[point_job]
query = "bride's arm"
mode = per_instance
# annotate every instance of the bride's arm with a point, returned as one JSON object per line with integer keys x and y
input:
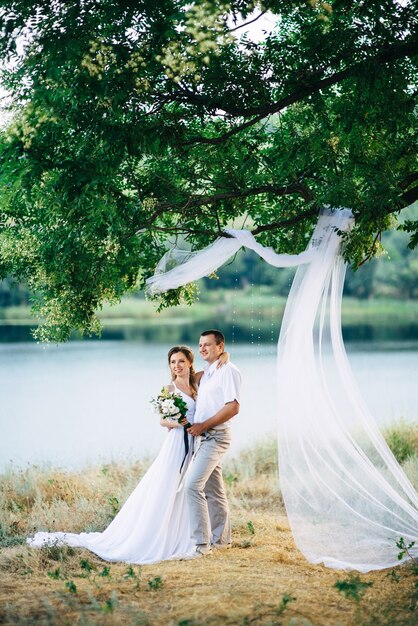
{"x": 223, "y": 359}
{"x": 169, "y": 424}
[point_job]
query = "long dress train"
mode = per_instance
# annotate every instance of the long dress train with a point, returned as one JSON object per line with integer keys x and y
{"x": 153, "y": 524}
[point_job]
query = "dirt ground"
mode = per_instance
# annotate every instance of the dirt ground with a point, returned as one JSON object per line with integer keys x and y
{"x": 262, "y": 580}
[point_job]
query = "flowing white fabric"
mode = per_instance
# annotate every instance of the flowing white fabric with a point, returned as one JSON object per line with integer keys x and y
{"x": 153, "y": 524}
{"x": 347, "y": 499}
{"x": 179, "y": 267}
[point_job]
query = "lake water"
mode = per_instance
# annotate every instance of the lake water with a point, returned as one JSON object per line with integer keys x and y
{"x": 89, "y": 402}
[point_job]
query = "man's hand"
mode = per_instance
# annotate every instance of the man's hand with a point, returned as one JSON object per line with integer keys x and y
{"x": 223, "y": 415}
{"x": 197, "y": 429}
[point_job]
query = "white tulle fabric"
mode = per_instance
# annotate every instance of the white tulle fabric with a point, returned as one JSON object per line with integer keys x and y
{"x": 153, "y": 524}
{"x": 347, "y": 499}
{"x": 179, "y": 267}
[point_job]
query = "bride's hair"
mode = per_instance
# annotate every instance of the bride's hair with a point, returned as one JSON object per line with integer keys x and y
{"x": 188, "y": 353}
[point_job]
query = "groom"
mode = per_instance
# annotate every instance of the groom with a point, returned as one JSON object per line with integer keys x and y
{"x": 217, "y": 403}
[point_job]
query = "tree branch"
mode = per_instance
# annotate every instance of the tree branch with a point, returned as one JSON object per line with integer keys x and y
{"x": 372, "y": 248}
{"x": 391, "y": 53}
{"x": 265, "y": 227}
{"x": 193, "y": 202}
{"x": 410, "y": 196}
{"x": 183, "y": 230}
{"x": 231, "y": 30}
{"x": 225, "y": 136}
{"x": 287, "y": 222}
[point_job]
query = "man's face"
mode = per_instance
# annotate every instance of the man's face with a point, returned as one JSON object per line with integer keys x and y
{"x": 209, "y": 349}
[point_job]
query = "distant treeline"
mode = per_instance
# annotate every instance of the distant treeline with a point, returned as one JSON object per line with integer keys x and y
{"x": 13, "y": 294}
{"x": 394, "y": 275}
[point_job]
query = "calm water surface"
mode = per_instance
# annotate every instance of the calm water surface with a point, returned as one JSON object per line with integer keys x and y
{"x": 89, "y": 402}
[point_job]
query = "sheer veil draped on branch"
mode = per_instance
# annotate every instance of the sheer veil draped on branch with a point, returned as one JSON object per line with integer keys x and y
{"x": 347, "y": 499}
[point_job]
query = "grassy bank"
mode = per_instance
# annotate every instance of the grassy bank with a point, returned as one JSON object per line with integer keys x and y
{"x": 255, "y": 313}
{"x": 263, "y": 580}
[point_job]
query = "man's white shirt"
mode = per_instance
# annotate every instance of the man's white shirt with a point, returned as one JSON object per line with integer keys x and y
{"x": 218, "y": 386}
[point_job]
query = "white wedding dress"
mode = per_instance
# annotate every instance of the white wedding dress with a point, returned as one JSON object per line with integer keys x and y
{"x": 153, "y": 524}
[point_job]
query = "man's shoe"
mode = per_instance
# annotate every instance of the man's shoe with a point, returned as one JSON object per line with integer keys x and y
{"x": 200, "y": 550}
{"x": 221, "y": 546}
{"x": 203, "y": 549}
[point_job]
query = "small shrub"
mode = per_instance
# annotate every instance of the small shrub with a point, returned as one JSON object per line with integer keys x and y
{"x": 9, "y": 542}
{"x": 105, "y": 572}
{"x": 286, "y": 599}
{"x": 71, "y": 586}
{"x": 56, "y": 574}
{"x": 132, "y": 575}
{"x": 114, "y": 504}
{"x": 353, "y": 587}
{"x": 155, "y": 583}
{"x": 86, "y": 565}
{"x": 404, "y": 548}
{"x": 264, "y": 611}
{"x": 57, "y": 552}
{"x": 394, "y": 576}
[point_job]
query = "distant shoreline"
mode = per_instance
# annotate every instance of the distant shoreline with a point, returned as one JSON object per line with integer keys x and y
{"x": 244, "y": 317}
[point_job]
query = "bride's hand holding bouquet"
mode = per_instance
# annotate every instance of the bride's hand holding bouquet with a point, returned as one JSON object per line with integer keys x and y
{"x": 171, "y": 408}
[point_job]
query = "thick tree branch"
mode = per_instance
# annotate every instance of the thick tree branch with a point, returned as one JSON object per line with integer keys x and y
{"x": 287, "y": 222}
{"x": 391, "y": 53}
{"x": 290, "y": 221}
{"x": 225, "y": 136}
{"x": 410, "y": 196}
{"x": 273, "y": 226}
{"x": 193, "y": 202}
{"x": 183, "y": 230}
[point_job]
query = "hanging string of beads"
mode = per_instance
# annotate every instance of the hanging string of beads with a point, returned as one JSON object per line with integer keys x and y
{"x": 273, "y": 332}
{"x": 252, "y": 308}
{"x": 259, "y": 316}
{"x": 234, "y": 307}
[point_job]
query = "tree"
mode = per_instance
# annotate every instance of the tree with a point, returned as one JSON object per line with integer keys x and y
{"x": 136, "y": 123}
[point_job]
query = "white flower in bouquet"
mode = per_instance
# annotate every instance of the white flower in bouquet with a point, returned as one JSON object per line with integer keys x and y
{"x": 170, "y": 406}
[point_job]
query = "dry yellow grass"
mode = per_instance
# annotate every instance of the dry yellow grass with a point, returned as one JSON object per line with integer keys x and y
{"x": 246, "y": 585}
{"x": 243, "y": 585}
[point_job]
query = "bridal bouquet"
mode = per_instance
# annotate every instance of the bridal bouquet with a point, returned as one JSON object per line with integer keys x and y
{"x": 170, "y": 406}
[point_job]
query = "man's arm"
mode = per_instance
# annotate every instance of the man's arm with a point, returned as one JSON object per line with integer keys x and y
{"x": 223, "y": 415}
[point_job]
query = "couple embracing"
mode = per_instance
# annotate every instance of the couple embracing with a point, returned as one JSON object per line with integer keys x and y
{"x": 217, "y": 402}
{"x": 174, "y": 514}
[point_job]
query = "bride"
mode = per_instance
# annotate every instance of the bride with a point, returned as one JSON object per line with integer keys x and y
{"x": 153, "y": 524}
